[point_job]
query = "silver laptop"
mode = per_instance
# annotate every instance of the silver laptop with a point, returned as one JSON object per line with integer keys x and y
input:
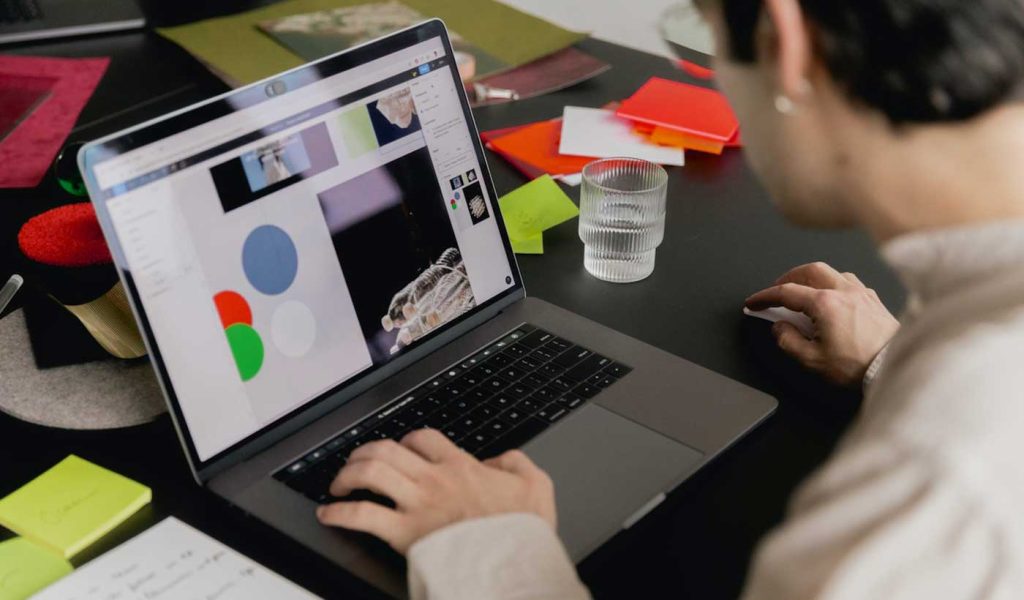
{"x": 32, "y": 20}
{"x": 318, "y": 261}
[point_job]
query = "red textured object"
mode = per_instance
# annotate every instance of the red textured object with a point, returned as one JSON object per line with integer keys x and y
{"x": 67, "y": 236}
{"x": 683, "y": 107}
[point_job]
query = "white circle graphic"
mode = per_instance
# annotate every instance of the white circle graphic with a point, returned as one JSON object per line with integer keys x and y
{"x": 293, "y": 329}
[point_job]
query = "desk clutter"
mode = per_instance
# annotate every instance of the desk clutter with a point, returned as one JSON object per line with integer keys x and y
{"x": 72, "y": 505}
{"x": 660, "y": 123}
{"x": 502, "y": 54}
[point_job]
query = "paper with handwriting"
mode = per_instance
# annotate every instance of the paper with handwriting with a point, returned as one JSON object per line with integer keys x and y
{"x": 173, "y": 560}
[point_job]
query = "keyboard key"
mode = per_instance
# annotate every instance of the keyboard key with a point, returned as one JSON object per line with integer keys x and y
{"x": 483, "y": 413}
{"x": 530, "y": 406}
{"x": 436, "y": 384}
{"x": 536, "y": 339}
{"x": 476, "y": 440}
{"x": 558, "y": 344}
{"x": 496, "y": 383}
{"x": 496, "y": 427}
{"x": 516, "y": 437}
{"x": 471, "y": 379}
{"x": 479, "y": 394}
{"x": 535, "y": 381}
{"x": 618, "y": 370}
{"x": 515, "y": 336}
{"x": 500, "y": 361}
{"x": 501, "y": 402}
{"x": 530, "y": 363}
{"x": 513, "y": 416}
{"x": 552, "y": 412}
{"x": 453, "y": 372}
{"x": 587, "y": 391}
{"x": 336, "y": 443}
{"x": 548, "y": 394}
{"x": 542, "y": 355}
{"x": 517, "y": 351}
{"x": 552, "y": 370}
{"x": 488, "y": 370}
{"x": 605, "y": 381}
{"x": 518, "y": 390}
{"x": 571, "y": 401}
{"x": 572, "y": 356}
{"x": 511, "y": 373}
{"x": 563, "y": 383}
{"x": 315, "y": 455}
{"x": 293, "y": 469}
{"x": 588, "y": 368}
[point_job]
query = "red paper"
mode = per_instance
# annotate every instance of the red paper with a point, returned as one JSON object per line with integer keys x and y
{"x": 687, "y": 108}
{"x": 27, "y": 152}
{"x": 536, "y": 146}
{"x": 695, "y": 70}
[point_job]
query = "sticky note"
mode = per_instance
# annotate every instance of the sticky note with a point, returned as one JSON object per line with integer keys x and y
{"x": 25, "y": 568}
{"x": 678, "y": 139}
{"x": 539, "y": 205}
{"x": 72, "y": 505}
{"x": 538, "y": 145}
{"x": 683, "y": 107}
{"x": 530, "y": 245}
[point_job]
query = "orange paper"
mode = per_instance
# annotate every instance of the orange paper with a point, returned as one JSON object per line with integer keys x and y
{"x": 537, "y": 145}
{"x": 678, "y": 139}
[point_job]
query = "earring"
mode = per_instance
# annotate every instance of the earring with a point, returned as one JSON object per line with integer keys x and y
{"x": 784, "y": 105}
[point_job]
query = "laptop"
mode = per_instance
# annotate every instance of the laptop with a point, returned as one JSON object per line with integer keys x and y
{"x": 30, "y": 20}
{"x": 318, "y": 260}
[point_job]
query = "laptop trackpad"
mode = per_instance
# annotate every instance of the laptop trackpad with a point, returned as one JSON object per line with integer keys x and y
{"x": 605, "y": 469}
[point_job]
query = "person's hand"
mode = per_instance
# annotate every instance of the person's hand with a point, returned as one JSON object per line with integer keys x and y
{"x": 433, "y": 484}
{"x": 852, "y": 323}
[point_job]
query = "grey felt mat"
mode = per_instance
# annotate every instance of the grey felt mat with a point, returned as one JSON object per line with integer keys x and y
{"x": 98, "y": 395}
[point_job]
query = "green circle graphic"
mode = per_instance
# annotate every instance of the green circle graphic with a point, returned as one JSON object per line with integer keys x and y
{"x": 247, "y": 348}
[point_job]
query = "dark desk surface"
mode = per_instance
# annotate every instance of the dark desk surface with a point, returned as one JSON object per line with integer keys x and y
{"x": 723, "y": 241}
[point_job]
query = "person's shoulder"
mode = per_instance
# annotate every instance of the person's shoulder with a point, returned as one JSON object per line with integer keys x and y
{"x": 961, "y": 388}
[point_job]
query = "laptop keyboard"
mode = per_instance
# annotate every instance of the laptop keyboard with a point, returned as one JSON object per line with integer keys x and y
{"x": 19, "y": 11}
{"x": 495, "y": 400}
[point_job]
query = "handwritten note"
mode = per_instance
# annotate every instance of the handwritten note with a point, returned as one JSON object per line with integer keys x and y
{"x": 533, "y": 208}
{"x": 72, "y": 505}
{"x": 25, "y": 568}
{"x": 172, "y": 560}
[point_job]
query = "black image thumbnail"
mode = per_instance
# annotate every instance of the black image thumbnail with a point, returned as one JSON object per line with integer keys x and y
{"x": 273, "y": 166}
{"x": 475, "y": 203}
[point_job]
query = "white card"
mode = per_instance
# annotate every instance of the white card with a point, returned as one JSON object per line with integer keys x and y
{"x": 779, "y": 313}
{"x": 172, "y": 560}
{"x": 602, "y": 134}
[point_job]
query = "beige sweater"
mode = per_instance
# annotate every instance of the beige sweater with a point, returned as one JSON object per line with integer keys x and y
{"x": 924, "y": 498}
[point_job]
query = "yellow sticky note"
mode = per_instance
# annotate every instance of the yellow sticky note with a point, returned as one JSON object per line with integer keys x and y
{"x": 531, "y": 245}
{"x": 26, "y": 568}
{"x": 72, "y": 505}
{"x": 535, "y": 207}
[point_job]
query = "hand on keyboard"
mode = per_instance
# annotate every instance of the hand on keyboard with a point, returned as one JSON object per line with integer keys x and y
{"x": 433, "y": 484}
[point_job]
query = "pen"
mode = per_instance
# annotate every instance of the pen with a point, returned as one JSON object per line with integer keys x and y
{"x": 9, "y": 290}
{"x": 484, "y": 92}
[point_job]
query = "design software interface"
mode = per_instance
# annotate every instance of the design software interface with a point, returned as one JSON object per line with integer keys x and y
{"x": 284, "y": 248}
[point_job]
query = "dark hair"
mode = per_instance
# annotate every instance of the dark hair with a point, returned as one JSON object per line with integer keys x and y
{"x": 914, "y": 60}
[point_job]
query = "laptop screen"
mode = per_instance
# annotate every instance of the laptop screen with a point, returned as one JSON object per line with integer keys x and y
{"x": 324, "y": 224}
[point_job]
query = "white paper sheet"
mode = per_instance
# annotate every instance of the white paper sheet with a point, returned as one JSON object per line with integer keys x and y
{"x": 602, "y": 134}
{"x": 798, "y": 320}
{"x": 172, "y": 560}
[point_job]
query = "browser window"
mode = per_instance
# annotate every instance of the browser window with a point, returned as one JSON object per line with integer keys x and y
{"x": 288, "y": 247}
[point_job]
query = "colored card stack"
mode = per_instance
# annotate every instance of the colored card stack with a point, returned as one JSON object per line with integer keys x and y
{"x": 680, "y": 115}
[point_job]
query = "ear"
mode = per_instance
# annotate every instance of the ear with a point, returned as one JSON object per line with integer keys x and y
{"x": 789, "y": 43}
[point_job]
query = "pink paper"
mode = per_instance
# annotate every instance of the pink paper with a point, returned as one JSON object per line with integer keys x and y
{"x": 27, "y": 152}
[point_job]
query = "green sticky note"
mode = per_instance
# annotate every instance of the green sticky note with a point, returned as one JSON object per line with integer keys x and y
{"x": 535, "y": 207}
{"x": 26, "y": 568}
{"x": 71, "y": 506}
{"x": 530, "y": 245}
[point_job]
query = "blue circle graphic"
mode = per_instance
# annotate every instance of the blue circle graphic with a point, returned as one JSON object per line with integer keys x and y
{"x": 269, "y": 259}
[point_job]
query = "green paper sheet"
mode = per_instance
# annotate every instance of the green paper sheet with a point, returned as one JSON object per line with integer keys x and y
{"x": 236, "y": 49}
{"x": 71, "y": 506}
{"x": 531, "y": 245}
{"x": 26, "y": 568}
{"x": 535, "y": 207}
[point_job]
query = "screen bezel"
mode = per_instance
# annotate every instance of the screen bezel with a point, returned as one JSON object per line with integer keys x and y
{"x": 225, "y": 104}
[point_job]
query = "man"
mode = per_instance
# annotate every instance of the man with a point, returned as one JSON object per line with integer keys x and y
{"x": 897, "y": 116}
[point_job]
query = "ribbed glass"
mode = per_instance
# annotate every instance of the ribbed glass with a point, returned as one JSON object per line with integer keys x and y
{"x": 622, "y": 217}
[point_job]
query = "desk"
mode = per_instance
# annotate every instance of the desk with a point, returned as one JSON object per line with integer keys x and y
{"x": 723, "y": 241}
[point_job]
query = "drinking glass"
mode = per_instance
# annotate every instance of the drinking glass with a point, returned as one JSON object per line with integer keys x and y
{"x": 622, "y": 217}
